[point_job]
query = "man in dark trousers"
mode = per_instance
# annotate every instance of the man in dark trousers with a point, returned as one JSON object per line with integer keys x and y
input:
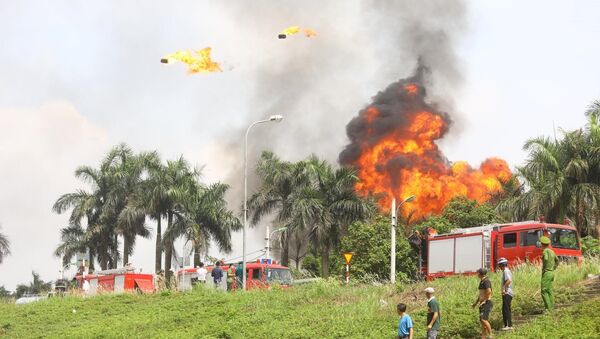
{"x": 239, "y": 275}
{"x": 484, "y": 301}
{"x": 507, "y": 293}
{"x": 217, "y": 274}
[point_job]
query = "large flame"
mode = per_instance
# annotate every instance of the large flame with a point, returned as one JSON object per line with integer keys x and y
{"x": 393, "y": 146}
{"x": 197, "y": 61}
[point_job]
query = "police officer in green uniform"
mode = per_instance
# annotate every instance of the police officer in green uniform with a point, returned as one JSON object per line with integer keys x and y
{"x": 549, "y": 263}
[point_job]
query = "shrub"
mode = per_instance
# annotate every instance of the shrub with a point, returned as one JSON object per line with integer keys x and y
{"x": 590, "y": 246}
{"x": 370, "y": 241}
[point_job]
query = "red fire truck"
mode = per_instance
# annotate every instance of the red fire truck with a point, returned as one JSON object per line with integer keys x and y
{"x": 464, "y": 250}
{"x": 117, "y": 280}
{"x": 259, "y": 274}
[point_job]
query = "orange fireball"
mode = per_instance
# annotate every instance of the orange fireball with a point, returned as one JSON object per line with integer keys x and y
{"x": 393, "y": 147}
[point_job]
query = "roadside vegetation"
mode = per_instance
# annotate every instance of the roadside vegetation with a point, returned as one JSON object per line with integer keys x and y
{"x": 326, "y": 309}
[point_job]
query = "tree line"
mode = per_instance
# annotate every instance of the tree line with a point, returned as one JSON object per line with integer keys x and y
{"x": 128, "y": 189}
{"x": 312, "y": 202}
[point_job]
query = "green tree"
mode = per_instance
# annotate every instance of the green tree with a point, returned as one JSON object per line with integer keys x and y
{"x": 112, "y": 184}
{"x": 4, "y": 293}
{"x": 562, "y": 177}
{"x": 329, "y": 205}
{"x": 152, "y": 198}
{"x": 370, "y": 242}
{"x": 86, "y": 206}
{"x": 279, "y": 181}
{"x": 180, "y": 181}
{"x": 206, "y": 219}
{"x": 36, "y": 286}
{"x": 4, "y": 247}
{"x": 463, "y": 212}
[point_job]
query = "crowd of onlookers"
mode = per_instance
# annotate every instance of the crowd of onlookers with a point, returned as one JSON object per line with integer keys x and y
{"x": 484, "y": 298}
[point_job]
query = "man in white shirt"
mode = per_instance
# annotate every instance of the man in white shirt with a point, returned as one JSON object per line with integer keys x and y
{"x": 201, "y": 271}
{"x": 86, "y": 287}
{"x": 507, "y": 293}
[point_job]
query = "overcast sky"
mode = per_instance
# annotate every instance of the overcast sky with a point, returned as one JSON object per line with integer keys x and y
{"x": 79, "y": 77}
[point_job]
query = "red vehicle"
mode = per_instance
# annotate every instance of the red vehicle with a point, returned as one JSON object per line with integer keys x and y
{"x": 464, "y": 250}
{"x": 259, "y": 274}
{"x": 117, "y": 280}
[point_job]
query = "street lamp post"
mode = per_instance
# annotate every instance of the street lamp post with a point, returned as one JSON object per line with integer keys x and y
{"x": 275, "y": 118}
{"x": 393, "y": 235}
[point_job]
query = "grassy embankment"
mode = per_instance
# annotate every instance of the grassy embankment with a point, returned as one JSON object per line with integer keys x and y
{"x": 325, "y": 309}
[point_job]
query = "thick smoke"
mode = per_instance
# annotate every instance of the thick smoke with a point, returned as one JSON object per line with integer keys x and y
{"x": 389, "y": 113}
{"x": 319, "y": 84}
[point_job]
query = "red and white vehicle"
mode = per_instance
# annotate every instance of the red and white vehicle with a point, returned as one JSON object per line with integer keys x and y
{"x": 259, "y": 274}
{"x": 117, "y": 281}
{"x": 464, "y": 250}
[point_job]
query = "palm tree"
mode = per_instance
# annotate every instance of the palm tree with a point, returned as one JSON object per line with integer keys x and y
{"x": 112, "y": 184}
{"x": 330, "y": 205}
{"x": 125, "y": 172}
{"x": 562, "y": 178}
{"x": 206, "y": 218}
{"x": 178, "y": 186}
{"x": 152, "y": 198}
{"x": 4, "y": 247}
{"x": 279, "y": 180}
{"x": 87, "y": 206}
{"x": 73, "y": 241}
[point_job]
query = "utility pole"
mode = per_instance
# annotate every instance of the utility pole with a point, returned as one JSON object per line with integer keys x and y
{"x": 393, "y": 246}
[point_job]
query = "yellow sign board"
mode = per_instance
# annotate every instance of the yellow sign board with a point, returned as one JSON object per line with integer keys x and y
{"x": 348, "y": 257}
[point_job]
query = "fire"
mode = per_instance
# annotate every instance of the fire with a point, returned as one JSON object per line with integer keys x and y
{"x": 197, "y": 61}
{"x": 309, "y": 33}
{"x": 393, "y": 146}
{"x": 291, "y": 30}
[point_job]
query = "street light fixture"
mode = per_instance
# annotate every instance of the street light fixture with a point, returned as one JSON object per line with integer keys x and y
{"x": 393, "y": 234}
{"x": 275, "y": 118}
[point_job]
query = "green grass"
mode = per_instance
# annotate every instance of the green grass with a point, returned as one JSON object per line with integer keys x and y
{"x": 577, "y": 321}
{"x": 325, "y": 309}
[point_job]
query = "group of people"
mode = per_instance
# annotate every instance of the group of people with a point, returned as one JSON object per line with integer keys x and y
{"x": 216, "y": 274}
{"x": 484, "y": 298}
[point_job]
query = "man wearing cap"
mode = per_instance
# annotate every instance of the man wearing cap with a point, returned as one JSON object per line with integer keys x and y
{"x": 433, "y": 314}
{"x": 484, "y": 301}
{"x": 507, "y": 294}
{"x": 549, "y": 263}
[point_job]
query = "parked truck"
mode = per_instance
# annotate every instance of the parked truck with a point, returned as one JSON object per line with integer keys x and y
{"x": 464, "y": 250}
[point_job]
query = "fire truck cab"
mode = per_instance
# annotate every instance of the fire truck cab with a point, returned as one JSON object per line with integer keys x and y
{"x": 464, "y": 250}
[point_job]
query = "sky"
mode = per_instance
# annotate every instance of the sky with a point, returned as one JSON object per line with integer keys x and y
{"x": 77, "y": 78}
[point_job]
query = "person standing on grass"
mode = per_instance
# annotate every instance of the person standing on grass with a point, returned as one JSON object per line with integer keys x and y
{"x": 217, "y": 274}
{"x": 484, "y": 301}
{"x": 549, "y": 263}
{"x": 507, "y": 294}
{"x": 201, "y": 272}
{"x": 433, "y": 314}
{"x": 405, "y": 325}
{"x": 239, "y": 275}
